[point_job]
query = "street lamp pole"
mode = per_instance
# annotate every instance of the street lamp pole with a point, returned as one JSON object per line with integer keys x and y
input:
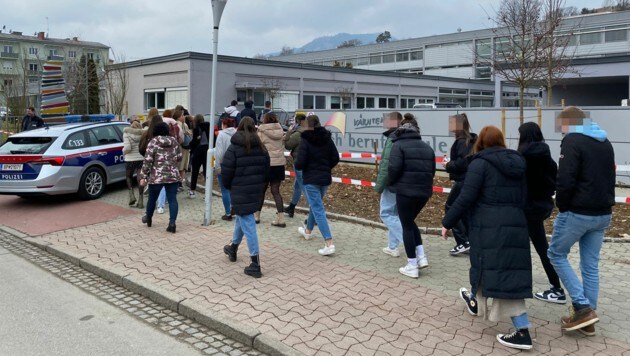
{"x": 217, "y": 11}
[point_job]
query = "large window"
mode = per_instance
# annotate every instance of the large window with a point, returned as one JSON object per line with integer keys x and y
{"x": 72, "y": 54}
{"x": 389, "y": 57}
{"x": 32, "y": 67}
{"x": 415, "y": 55}
{"x": 590, "y": 38}
{"x": 337, "y": 102}
{"x": 484, "y": 48}
{"x": 616, "y": 36}
{"x": 402, "y": 56}
{"x": 32, "y": 50}
{"x": 375, "y": 59}
{"x": 155, "y": 99}
{"x": 7, "y": 49}
{"x": 314, "y": 102}
{"x": 363, "y": 61}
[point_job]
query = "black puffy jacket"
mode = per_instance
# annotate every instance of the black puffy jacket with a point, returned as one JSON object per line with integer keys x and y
{"x": 317, "y": 156}
{"x": 586, "y": 176}
{"x": 245, "y": 175}
{"x": 460, "y": 157}
{"x": 493, "y": 195}
{"x": 541, "y": 179}
{"x": 202, "y": 128}
{"x": 411, "y": 165}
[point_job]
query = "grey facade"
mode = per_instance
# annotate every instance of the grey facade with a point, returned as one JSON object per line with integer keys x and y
{"x": 185, "y": 78}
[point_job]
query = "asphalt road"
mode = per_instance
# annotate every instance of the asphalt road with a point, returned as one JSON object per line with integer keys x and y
{"x": 43, "y": 315}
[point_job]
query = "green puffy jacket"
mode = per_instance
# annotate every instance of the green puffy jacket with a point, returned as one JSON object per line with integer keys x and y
{"x": 382, "y": 180}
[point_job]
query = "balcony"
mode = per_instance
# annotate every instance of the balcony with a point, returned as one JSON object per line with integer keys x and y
{"x": 33, "y": 73}
{"x": 55, "y": 58}
{"x": 10, "y": 55}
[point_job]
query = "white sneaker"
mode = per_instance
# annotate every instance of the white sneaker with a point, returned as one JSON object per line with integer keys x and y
{"x": 306, "y": 236}
{"x": 191, "y": 194}
{"x": 327, "y": 250}
{"x": 160, "y": 210}
{"x": 409, "y": 271}
{"x": 392, "y": 252}
{"x": 423, "y": 262}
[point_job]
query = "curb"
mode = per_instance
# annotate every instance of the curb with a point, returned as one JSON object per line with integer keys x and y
{"x": 231, "y": 328}
{"x": 378, "y": 225}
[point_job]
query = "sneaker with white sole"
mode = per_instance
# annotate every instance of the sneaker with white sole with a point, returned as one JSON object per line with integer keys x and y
{"x": 471, "y": 303}
{"x": 519, "y": 339}
{"x": 409, "y": 271}
{"x": 394, "y": 252}
{"x": 552, "y": 295}
{"x": 423, "y": 262}
{"x": 302, "y": 232}
{"x": 160, "y": 210}
{"x": 459, "y": 249}
{"x": 191, "y": 194}
{"x": 327, "y": 250}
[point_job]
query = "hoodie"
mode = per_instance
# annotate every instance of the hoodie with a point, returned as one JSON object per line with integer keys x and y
{"x": 232, "y": 111}
{"x": 131, "y": 144}
{"x": 541, "y": 179}
{"x": 317, "y": 156}
{"x": 223, "y": 142}
{"x": 161, "y": 161}
{"x": 586, "y": 172}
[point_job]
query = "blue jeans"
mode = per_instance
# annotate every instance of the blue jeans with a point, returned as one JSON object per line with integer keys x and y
{"x": 246, "y": 225}
{"x": 314, "y": 195}
{"x": 297, "y": 188}
{"x": 520, "y": 322}
{"x": 171, "y": 195}
{"x": 225, "y": 196}
{"x": 389, "y": 215}
{"x": 588, "y": 231}
{"x": 161, "y": 200}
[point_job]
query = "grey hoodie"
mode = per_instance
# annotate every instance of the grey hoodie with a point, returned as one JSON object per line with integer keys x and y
{"x": 223, "y": 142}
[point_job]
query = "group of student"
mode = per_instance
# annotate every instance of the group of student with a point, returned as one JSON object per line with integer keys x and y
{"x": 498, "y": 203}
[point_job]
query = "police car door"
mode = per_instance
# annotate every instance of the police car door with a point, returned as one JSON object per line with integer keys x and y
{"x": 107, "y": 145}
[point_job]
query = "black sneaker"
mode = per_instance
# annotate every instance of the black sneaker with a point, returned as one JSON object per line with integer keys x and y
{"x": 459, "y": 249}
{"x": 471, "y": 303}
{"x": 519, "y": 339}
{"x": 553, "y": 295}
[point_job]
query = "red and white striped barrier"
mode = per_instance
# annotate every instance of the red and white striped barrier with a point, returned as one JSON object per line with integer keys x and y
{"x": 7, "y": 132}
{"x": 365, "y": 183}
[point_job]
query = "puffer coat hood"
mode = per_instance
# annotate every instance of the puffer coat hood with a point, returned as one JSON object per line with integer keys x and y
{"x": 508, "y": 162}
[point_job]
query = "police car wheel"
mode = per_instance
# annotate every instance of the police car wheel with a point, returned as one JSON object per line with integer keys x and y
{"x": 92, "y": 184}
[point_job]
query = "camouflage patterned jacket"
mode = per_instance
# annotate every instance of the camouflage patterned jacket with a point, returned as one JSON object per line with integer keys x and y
{"x": 161, "y": 162}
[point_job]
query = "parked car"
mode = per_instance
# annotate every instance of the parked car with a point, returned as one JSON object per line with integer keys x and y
{"x": 4, "y": 112}
{"x": 69, "y": 158}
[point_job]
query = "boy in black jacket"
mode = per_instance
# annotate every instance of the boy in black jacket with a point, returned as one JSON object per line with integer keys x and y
{"x": 585, "y": 194}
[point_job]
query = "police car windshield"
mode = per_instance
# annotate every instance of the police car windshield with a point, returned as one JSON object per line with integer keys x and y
{"x": 26, "y": 145}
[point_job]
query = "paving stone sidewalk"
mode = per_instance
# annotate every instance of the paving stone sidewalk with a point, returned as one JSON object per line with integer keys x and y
{"x": 354, "y": 302}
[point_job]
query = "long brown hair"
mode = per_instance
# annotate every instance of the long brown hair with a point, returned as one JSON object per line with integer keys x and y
{"x": 489, "y": 136}
{"x": 147, "y": 135}
{"x": 464, "y": 131}
{"x": 248, "y": 128}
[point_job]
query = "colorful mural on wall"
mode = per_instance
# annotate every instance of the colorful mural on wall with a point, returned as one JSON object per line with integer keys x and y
{"x": 54, "y": 101}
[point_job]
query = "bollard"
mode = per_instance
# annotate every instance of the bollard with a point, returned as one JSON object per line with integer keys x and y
{"x": 540, "y": 117}
{"x": 503, "y": 121}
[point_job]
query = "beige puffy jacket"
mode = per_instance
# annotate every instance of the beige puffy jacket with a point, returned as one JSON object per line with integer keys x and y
{"x": 271, "y": 136}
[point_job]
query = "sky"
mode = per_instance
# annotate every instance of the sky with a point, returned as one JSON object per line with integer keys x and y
{"x": 137, "y": 29}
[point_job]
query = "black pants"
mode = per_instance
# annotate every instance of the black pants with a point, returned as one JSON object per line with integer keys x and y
{"x": 199, "y": 159}
{"x": 536, "y": 228}
{"x": 460, "y": 230}
{"x": 408, "y": 210}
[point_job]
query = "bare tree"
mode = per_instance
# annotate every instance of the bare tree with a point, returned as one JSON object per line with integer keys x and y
{"x": 116, "y": 81}
{"x": 520, "y": 40}
{"x": 617, "y": 5}
{"x": 272, "y": 87}
{"x": 346, "y": 94}
{"x": 286, "y": 50}
{"x": 16, "y": 90}
{"x": 350, "y": 43}
{"x": 555, "y": 45}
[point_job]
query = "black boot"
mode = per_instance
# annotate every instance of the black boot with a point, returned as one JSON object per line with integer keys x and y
{"x": 147, "y": 220}
{"x": 254, "y": 268}
{"x": 171, "y": 228}
{"x": 230, "y": 250}
{"x": 290, "y": 210}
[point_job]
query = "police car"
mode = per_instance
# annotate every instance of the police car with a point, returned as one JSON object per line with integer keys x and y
{"x": 70, "y": 158}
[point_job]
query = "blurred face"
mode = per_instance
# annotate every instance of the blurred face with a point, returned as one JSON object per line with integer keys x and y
{"x": 389, "y": 121}
{"x": 566, "y": 125}
{"x": 455, "y": 124}
{"x": 30, "y": 112}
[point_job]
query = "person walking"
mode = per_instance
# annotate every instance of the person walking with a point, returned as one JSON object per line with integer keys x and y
{"x": 223, "y": 143}
{"x": 160, "y": 171}
{"x": 271, "y": 134}
{"x": 199, "y": 149}
{"x": 410, "y": 172}
{"x": 585, "y": 194}
{"x": 456, "y": 167}
{"x": 264, "y": 111}
{"x": 541, "y": 186}
{"x": 179, "y": 116}
{"x": 292, "y": 140}
{"x": 133, "y": 160}
{"x": 493, "y": 195}
{"x": 316, "y": 158}
{"x": 31, "y": 121}
{"x": 245, "y": 171}
{"x": 248, "y": 111}
{"x": 388, "y": 210}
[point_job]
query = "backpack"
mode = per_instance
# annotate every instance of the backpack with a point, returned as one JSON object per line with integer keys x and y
{"x": 173, "y": 130}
